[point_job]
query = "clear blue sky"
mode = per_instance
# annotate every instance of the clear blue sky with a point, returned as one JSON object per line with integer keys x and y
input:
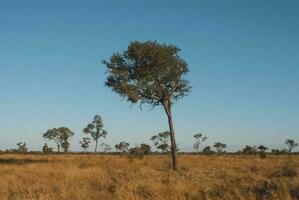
{"x": 243, "y": 57}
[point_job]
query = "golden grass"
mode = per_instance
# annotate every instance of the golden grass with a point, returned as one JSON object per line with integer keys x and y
{"x": 84, "y": 177}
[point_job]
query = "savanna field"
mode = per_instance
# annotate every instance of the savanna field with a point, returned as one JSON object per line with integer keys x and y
{"x": 96, "y": 177}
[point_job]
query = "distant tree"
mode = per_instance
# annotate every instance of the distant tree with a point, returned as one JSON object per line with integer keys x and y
{"x": 47, "y": 149}
{"x": 22, "y": 147}
{"x": 291, "y": 145}
{"x": 122, "y": 147}
{"x": 95, "y": 129}
{"x": 219, "y": 147}
{"x": 60, "y": 136}
{"x": 207, "y": 150}
{"x": 106, "y": 147}
{"x": 146, "y": 148}
{"x": 199, "y": 138}
{"x": 276, "y": 151}
{"x": 85, "y": 143}
{"x": 152, "y": 73}
{"x": 249, "y": 150}
{"x": 161, "y": 141}
{"x": 262, "y": 148}
{"x": 136, "y": 152}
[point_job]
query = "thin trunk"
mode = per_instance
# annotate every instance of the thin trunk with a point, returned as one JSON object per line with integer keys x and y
{"x": 58, "y": 148}
{"x": 167, "y": 107}
{"x": 96, "y": 147}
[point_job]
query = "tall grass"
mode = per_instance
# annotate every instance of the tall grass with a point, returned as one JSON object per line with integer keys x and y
{"x": 84, "y": 177}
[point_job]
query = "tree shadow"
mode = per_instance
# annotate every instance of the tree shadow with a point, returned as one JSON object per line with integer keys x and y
{"x": 13, "y": 161}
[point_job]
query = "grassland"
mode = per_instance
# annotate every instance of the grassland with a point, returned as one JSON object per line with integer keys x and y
{"x": 84, "y": 177}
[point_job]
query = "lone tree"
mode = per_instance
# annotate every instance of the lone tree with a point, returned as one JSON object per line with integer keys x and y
{"x": 47, "y": 149}
{"x": 60, "y": 136}
{"x": 122, "y": 147}
{"x": 152, "y": 73}
{"x": 291, "y": 144}
{"x": 95, "y": 129}
{"x": 219, "y": 147}
{"x": 106, "y": 147}
{"x": 161, "y": 141}
{"x": 199, "y": 138}
{"x": 22, "y": 147}
{"x": 262, "y": 148}
{"x": 85, "y": 143}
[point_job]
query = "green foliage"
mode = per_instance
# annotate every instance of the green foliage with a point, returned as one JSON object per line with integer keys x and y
{"x": 122, "y": 147}
{"x": 22, "y": 147}
{"x": 249, "y": 150}
{"x": 219, "y": 147}
{"x": 85, "y": 143}
{"x": 148, "y": 72}
{"x": 161, "y": 141}
{"x": 146, "y": 148}
{"x": 199, "y": 138}
{"x": 207, "y": 150}
{"x": 47, "y": 149}
{"x": 291, "y": 144}
{"x": 95, "y": 129}
{"x": 106, "y": 147}
{"x": 60, "y": 136}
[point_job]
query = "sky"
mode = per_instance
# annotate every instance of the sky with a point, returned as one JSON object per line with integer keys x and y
{"x": 243, "y": 58}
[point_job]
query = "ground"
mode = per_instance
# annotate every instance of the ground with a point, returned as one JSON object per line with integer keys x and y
{"x": 96, "y": 177}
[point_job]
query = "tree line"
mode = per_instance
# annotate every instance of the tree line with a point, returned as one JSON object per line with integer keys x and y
{"x": 95, "y": 131}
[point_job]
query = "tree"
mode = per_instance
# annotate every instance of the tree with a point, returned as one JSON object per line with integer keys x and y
{"x": 122, "y": 147}
{"x": 161, "y": 141}
{"x": 85, "y": 143}
{"x": 219, "y": 147}
{"x": 199, "y": 138}
{"x": 22, "y": 147}
{"x": 207, "y": 150}
{"x": 106, "y": 147}
{"x": 249, "y": 150}
{"x": 262, "y": 148}
{"x": 147, "y": 149}
{"x": 150, "y": 73}
{"x": 60, "y": 136}
{"x": 291, "y": 145}
{"x": 47, "y": 149}
{"x": 95, "y": 129}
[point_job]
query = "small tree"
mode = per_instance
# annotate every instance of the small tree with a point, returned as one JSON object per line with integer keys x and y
{"x": 95, "y": 129}
{"x": 106, "y": 147}
{"x": 249, "y": 149}
{"x": 152, "y": 73}
{"x": 291, "y": 145}
{"x": 220, "y": 147}
{"x": 47, "y": 149}
{"x": 22, "y": 147}
{"x": 85, "y": 143}
{"x": 147, "y": 149}
{"x": 60, "y": 136}
{"x": 123, "y": 147}
{"x": 262, "y": 148}
{"x": 199, "y": 138}
{"x": 161, "y": 141}
{"x": 207, "y": 150}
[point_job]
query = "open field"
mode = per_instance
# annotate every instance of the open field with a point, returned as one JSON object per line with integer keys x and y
{"x": 80, "y": 177}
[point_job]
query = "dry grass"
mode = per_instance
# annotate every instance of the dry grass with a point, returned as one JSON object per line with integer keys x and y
{"x": 80, "y": 177}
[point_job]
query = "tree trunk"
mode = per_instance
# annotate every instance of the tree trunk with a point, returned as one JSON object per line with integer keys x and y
{"x": 58, "y": 148}
{"x": 167, "y": 107}
{"x": 96, "y": 147}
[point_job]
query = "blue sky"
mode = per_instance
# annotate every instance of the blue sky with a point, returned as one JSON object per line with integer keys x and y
{"x": 243, "y": 58}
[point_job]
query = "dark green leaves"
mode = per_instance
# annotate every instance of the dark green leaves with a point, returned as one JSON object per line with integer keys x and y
{"x": 148, "y": 72}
